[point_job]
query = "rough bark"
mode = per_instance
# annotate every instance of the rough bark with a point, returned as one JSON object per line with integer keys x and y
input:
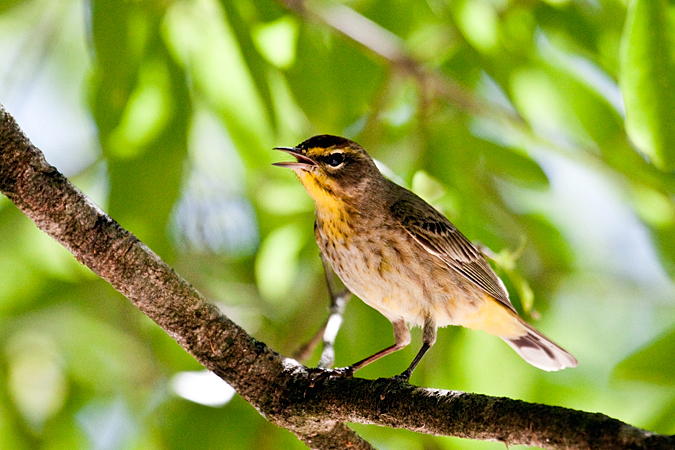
{"x": 279, "y": 387}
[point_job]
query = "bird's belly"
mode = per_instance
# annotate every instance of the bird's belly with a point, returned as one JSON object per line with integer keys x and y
{"x": 393, "y": 296}
{"x": 401, "y": 285}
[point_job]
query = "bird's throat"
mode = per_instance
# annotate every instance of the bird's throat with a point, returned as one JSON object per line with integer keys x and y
{"x": 324, "y": 196}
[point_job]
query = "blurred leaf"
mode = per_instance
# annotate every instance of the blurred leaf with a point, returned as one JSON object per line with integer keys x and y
{"x": 572, "y": 20}
{"x": 96, "y": 354}
{"x": 427, "y": 187}
{"x": 145, "y": 184}
{"x": 654, "y": 363}
{"x": 506, "y": 260}
{"x": 277, "y": 41}
{"x": 10, "y": 437}
{"x": 206, "y": 45}
{"x": 523, "y": 289}
{"x": 333, "y": 84}
{"x": 648, "y": 79}
{"x": 514, "y": 166}
{"x": 141, "y": 106}
{"x": 277, "y": 262}
{"x": 552, "y": 250}
{"x": 664, "y": 423}
{"x": 478, "y": 21}
{"x": 401, "y": 17}
{"x": 295, "y": 198}
{"x": 655, "y": 208}
{"x": 256, "y": 65}
{"x": 591, "y": 93}
{"x": 117, "y": 59}
{"x": 664, "y": 237}
{"x": 146, "y": 114}
{"x": 186, "y": 425}
{"x": 464, "y": 65}
{"x": 7, "y": 5}
{"x": 36, "y": 378}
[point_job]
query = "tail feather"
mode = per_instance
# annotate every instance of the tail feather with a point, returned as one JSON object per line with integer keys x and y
{"x": 540, "y": 351}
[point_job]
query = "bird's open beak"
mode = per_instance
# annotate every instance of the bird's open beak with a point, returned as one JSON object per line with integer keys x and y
{"x": 302, "y": 162}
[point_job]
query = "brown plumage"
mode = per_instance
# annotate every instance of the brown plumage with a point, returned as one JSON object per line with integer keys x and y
{"x": 404, "y": 258}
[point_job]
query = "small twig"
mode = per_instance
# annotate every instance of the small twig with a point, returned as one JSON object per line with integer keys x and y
{"x": 329, "y": 330}
{"x": 332, "y": 327}
{"x": 338, "y": 302}
{"x": 306, "y": 349}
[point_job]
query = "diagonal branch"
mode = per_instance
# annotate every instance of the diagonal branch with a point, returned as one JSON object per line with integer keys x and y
{"x": 391, "y": 49}
{"x": 279, "y": 387}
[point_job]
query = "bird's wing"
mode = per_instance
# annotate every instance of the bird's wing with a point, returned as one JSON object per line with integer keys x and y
{"x": 437, "y": 235}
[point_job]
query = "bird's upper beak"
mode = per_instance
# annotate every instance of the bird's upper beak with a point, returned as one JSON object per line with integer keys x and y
{"x": 302, "y": 161}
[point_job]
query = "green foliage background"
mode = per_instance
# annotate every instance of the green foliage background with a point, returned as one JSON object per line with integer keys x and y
{"x": 549, "y": 129}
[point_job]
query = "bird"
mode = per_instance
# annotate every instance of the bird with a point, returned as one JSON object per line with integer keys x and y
{"x": 404, "y": 258}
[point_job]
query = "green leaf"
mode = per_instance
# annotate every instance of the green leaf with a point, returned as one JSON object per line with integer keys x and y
{"x": 142, "y": 108}
{"x": 648, "y": 79}
{"x": 506, "y": 261}
{"x": 664, "y": 238}
{"x": 554, "y": 252}
{"x": 664, "y": 422}
{"x": 93, "y": 352}
{"x": 515, "y": 166}
{"x": 654, "y": 363}
{"x": 116, "y": 64}
{"x": 277, "y": 263}
{"x": 145, "y": 181}
{"x": 204, "y": 42}
{"x": 333, "y": 84}
{"x": 7, "y": 5}
{"x": 255, "y": 63}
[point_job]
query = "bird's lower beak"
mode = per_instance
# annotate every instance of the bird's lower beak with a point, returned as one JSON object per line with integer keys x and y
{"x": 302, "y": 162}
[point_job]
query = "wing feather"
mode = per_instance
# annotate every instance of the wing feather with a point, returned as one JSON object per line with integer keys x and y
{"x": 437, "y": 235}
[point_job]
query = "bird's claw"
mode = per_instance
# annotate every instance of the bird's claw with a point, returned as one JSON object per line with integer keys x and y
{"x": 402, "y": 378}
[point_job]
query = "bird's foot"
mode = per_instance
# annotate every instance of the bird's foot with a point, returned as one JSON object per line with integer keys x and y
{"x": 402, "y": 378}
{"x": 319, "y": 375}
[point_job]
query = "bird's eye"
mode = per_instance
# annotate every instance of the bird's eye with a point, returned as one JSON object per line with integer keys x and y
{"x": 335, "y": 159}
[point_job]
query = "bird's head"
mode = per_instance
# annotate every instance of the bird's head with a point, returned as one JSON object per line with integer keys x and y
{"x": 331, "y": 168}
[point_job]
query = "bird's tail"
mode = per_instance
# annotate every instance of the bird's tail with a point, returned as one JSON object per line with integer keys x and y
{"x": 540, "y": 351}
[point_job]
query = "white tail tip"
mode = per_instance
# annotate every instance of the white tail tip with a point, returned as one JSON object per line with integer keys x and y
{"x": 541, "y": 352}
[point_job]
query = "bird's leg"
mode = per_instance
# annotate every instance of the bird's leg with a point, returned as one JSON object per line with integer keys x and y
{"x": 328, "y": 331}
{"x": 401, "y": 339}
{"x": 428, "y": 339}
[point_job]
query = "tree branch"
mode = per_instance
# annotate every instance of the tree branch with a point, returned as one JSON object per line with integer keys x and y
{"x": 279, "y": 387}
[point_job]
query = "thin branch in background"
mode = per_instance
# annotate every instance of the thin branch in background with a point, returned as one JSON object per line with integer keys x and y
{"x": 332, "y": 328}
{"x": 338, "y": 302}
{"x": 329, "y": 330}
{"x": 391, "y": 48}
{"x": 303, "y": 353}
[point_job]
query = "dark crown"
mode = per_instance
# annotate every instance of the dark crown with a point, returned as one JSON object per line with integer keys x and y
{"x": 324, "y": 141}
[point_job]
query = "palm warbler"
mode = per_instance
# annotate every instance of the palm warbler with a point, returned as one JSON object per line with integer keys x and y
{"x": 404, "y": 258}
